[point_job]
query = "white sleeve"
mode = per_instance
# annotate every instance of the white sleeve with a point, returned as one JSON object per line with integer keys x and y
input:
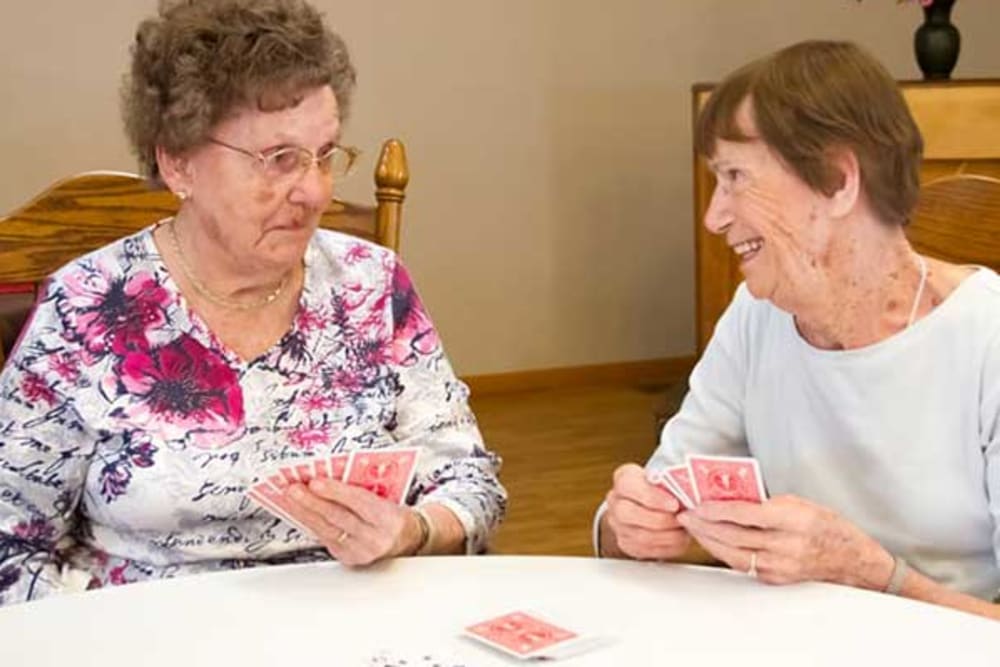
{"x": 990, "y": 433}
{"x": 711, "y": 417}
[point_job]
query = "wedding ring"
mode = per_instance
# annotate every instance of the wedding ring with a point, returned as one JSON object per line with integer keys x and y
{"x": 343, "y": 537}
{"x": 752, "y": 570}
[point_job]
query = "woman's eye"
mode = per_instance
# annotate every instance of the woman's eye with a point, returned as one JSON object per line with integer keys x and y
{"x": 285, "y": 161}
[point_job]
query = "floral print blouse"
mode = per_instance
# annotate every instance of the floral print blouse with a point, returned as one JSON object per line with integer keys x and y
{"x": 129, "y": 433}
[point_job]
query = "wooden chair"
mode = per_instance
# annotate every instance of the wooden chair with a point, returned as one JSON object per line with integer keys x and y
{"x": 958, "y": 220}
{"x": 88, "y": 211}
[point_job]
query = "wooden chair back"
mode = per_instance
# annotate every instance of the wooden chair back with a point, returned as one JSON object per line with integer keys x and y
{"x": 958, "y": 220}
{"x": 85, "y": 212}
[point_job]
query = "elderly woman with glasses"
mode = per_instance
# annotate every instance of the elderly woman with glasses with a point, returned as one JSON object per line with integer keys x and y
{"x": 162, "y": 376}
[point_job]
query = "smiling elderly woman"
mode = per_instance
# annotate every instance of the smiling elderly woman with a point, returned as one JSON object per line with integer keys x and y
{"x": 864, "y": 377}
{"x": 162, "y": 375}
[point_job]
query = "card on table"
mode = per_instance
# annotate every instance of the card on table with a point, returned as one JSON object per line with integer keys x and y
{"x": 527, "y": 636}
{"x": 385, "y": 472}
{"x": 726, "y": 478}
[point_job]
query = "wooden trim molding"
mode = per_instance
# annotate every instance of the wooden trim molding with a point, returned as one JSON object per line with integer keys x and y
{"x": 649, "y": 371}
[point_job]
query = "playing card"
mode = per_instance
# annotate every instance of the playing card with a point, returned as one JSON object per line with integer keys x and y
{"x": 385, "y": 472}
{"x": 305, "y": 472}
{"x": 521, "y": 635}
{"x": 726, "y": 478}
{"x": 320, "y": 469}
{"x": 677, "y": 480}
{"x": 288, "y": 473}
{"x": 279, "y": 481}
{"x": 273, "y": 501}
{"x": 337, "y": 466}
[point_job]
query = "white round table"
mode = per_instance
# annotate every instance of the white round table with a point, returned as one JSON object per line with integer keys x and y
{"x": 323, "y": 614}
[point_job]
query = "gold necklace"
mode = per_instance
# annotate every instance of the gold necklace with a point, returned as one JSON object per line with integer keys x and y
{"x": 202, "y": 289}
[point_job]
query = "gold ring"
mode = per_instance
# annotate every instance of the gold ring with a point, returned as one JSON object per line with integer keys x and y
{"x": 752, "y": 570}
{"x": 343, "y": 537}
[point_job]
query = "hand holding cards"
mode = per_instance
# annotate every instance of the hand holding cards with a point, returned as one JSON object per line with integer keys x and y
{"x": 387, "y": 473}
{"x": 704, "y": 478}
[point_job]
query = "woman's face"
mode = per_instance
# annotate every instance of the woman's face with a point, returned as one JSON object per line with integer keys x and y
{"x": 263, "y": 220}
{"x": 777, "y": 225}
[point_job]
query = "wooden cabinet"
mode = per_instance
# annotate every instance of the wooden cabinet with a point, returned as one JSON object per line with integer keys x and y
{"x": 960, "y": 123}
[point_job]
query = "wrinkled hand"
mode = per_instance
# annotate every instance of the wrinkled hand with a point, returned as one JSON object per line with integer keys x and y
{"x": 643, "y": 517}
{"x": 794, "y": 539}
{"x": 356, "y": 526}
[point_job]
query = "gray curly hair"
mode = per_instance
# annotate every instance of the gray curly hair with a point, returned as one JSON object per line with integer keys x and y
{"x": 200, "y": 61}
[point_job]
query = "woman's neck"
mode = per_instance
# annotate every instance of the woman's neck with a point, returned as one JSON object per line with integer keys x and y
{"x": 220, "y": 271}
{"x": 873, "y": 278}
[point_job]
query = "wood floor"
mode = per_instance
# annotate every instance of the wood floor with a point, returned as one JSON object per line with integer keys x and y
{"x": 559, "y": 449}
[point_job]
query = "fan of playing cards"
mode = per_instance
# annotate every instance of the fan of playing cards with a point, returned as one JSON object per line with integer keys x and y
{"x": 704, "y": 478}
{"x": 385, "y": 472}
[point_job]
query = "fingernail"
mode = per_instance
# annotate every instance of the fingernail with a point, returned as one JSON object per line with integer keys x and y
{"x": 296, "y": 492}
{"x": 683, "y": 518}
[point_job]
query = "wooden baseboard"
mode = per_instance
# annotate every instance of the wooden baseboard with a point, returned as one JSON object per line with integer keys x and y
{"x": 647, "y": 372}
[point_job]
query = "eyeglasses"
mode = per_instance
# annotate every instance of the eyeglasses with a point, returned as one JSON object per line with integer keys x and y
{"x": 291, "y": 162}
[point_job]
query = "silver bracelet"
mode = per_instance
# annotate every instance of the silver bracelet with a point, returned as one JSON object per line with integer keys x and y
{"x": 426, "y": 532}
{"x": 899, "y": 570}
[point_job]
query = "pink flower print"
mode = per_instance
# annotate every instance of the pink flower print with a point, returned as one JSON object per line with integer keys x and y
{"x": 357, "y": 253}
{"x": 315, "y": 401}
{"x": 355, "y": 295}
{"x": 35, "y": 530}
{"x": 414, "y": 334}
{"x": 142, "y": 455}
{"x": 113, "y": 313}
{"x": 307, "y": 436}
{"x": 65, "y": 365}
{"x": 36, "y": 390}
{"x": 115, "y": 478}
{"x": 116, "y": 575}
{"x": 309, "y": 320}
{"x": 187, "y": 389}
{"x": 346, "y": 382}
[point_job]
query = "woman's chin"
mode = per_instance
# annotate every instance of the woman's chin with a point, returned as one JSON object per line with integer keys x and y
{"x": 288, "y": 249}
{"x": 757, "y": 287}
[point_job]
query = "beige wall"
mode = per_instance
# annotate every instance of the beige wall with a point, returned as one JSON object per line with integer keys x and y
{"x": 549, "y": 216}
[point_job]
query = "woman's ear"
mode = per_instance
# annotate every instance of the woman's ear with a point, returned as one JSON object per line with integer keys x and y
{"x": 175, "y": 171}
{"x": 847, "y": 193}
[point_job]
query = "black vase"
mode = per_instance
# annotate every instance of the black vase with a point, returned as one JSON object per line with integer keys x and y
{"x": 937, "y": 41}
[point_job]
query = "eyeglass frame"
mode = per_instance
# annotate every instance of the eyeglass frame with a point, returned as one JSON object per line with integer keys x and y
{"x": 266, "y": 159}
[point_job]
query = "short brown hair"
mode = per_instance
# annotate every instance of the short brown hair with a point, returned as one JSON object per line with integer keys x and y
{"x": 817, "y": 96}
{"x": 200, "y": 61}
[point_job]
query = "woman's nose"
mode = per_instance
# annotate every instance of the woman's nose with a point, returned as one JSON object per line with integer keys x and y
{"x": 719, "y": 215}
{"x": 314, "y": 187}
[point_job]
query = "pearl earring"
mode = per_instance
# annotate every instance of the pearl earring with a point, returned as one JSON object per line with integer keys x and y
{"x": 182, "y": 195}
